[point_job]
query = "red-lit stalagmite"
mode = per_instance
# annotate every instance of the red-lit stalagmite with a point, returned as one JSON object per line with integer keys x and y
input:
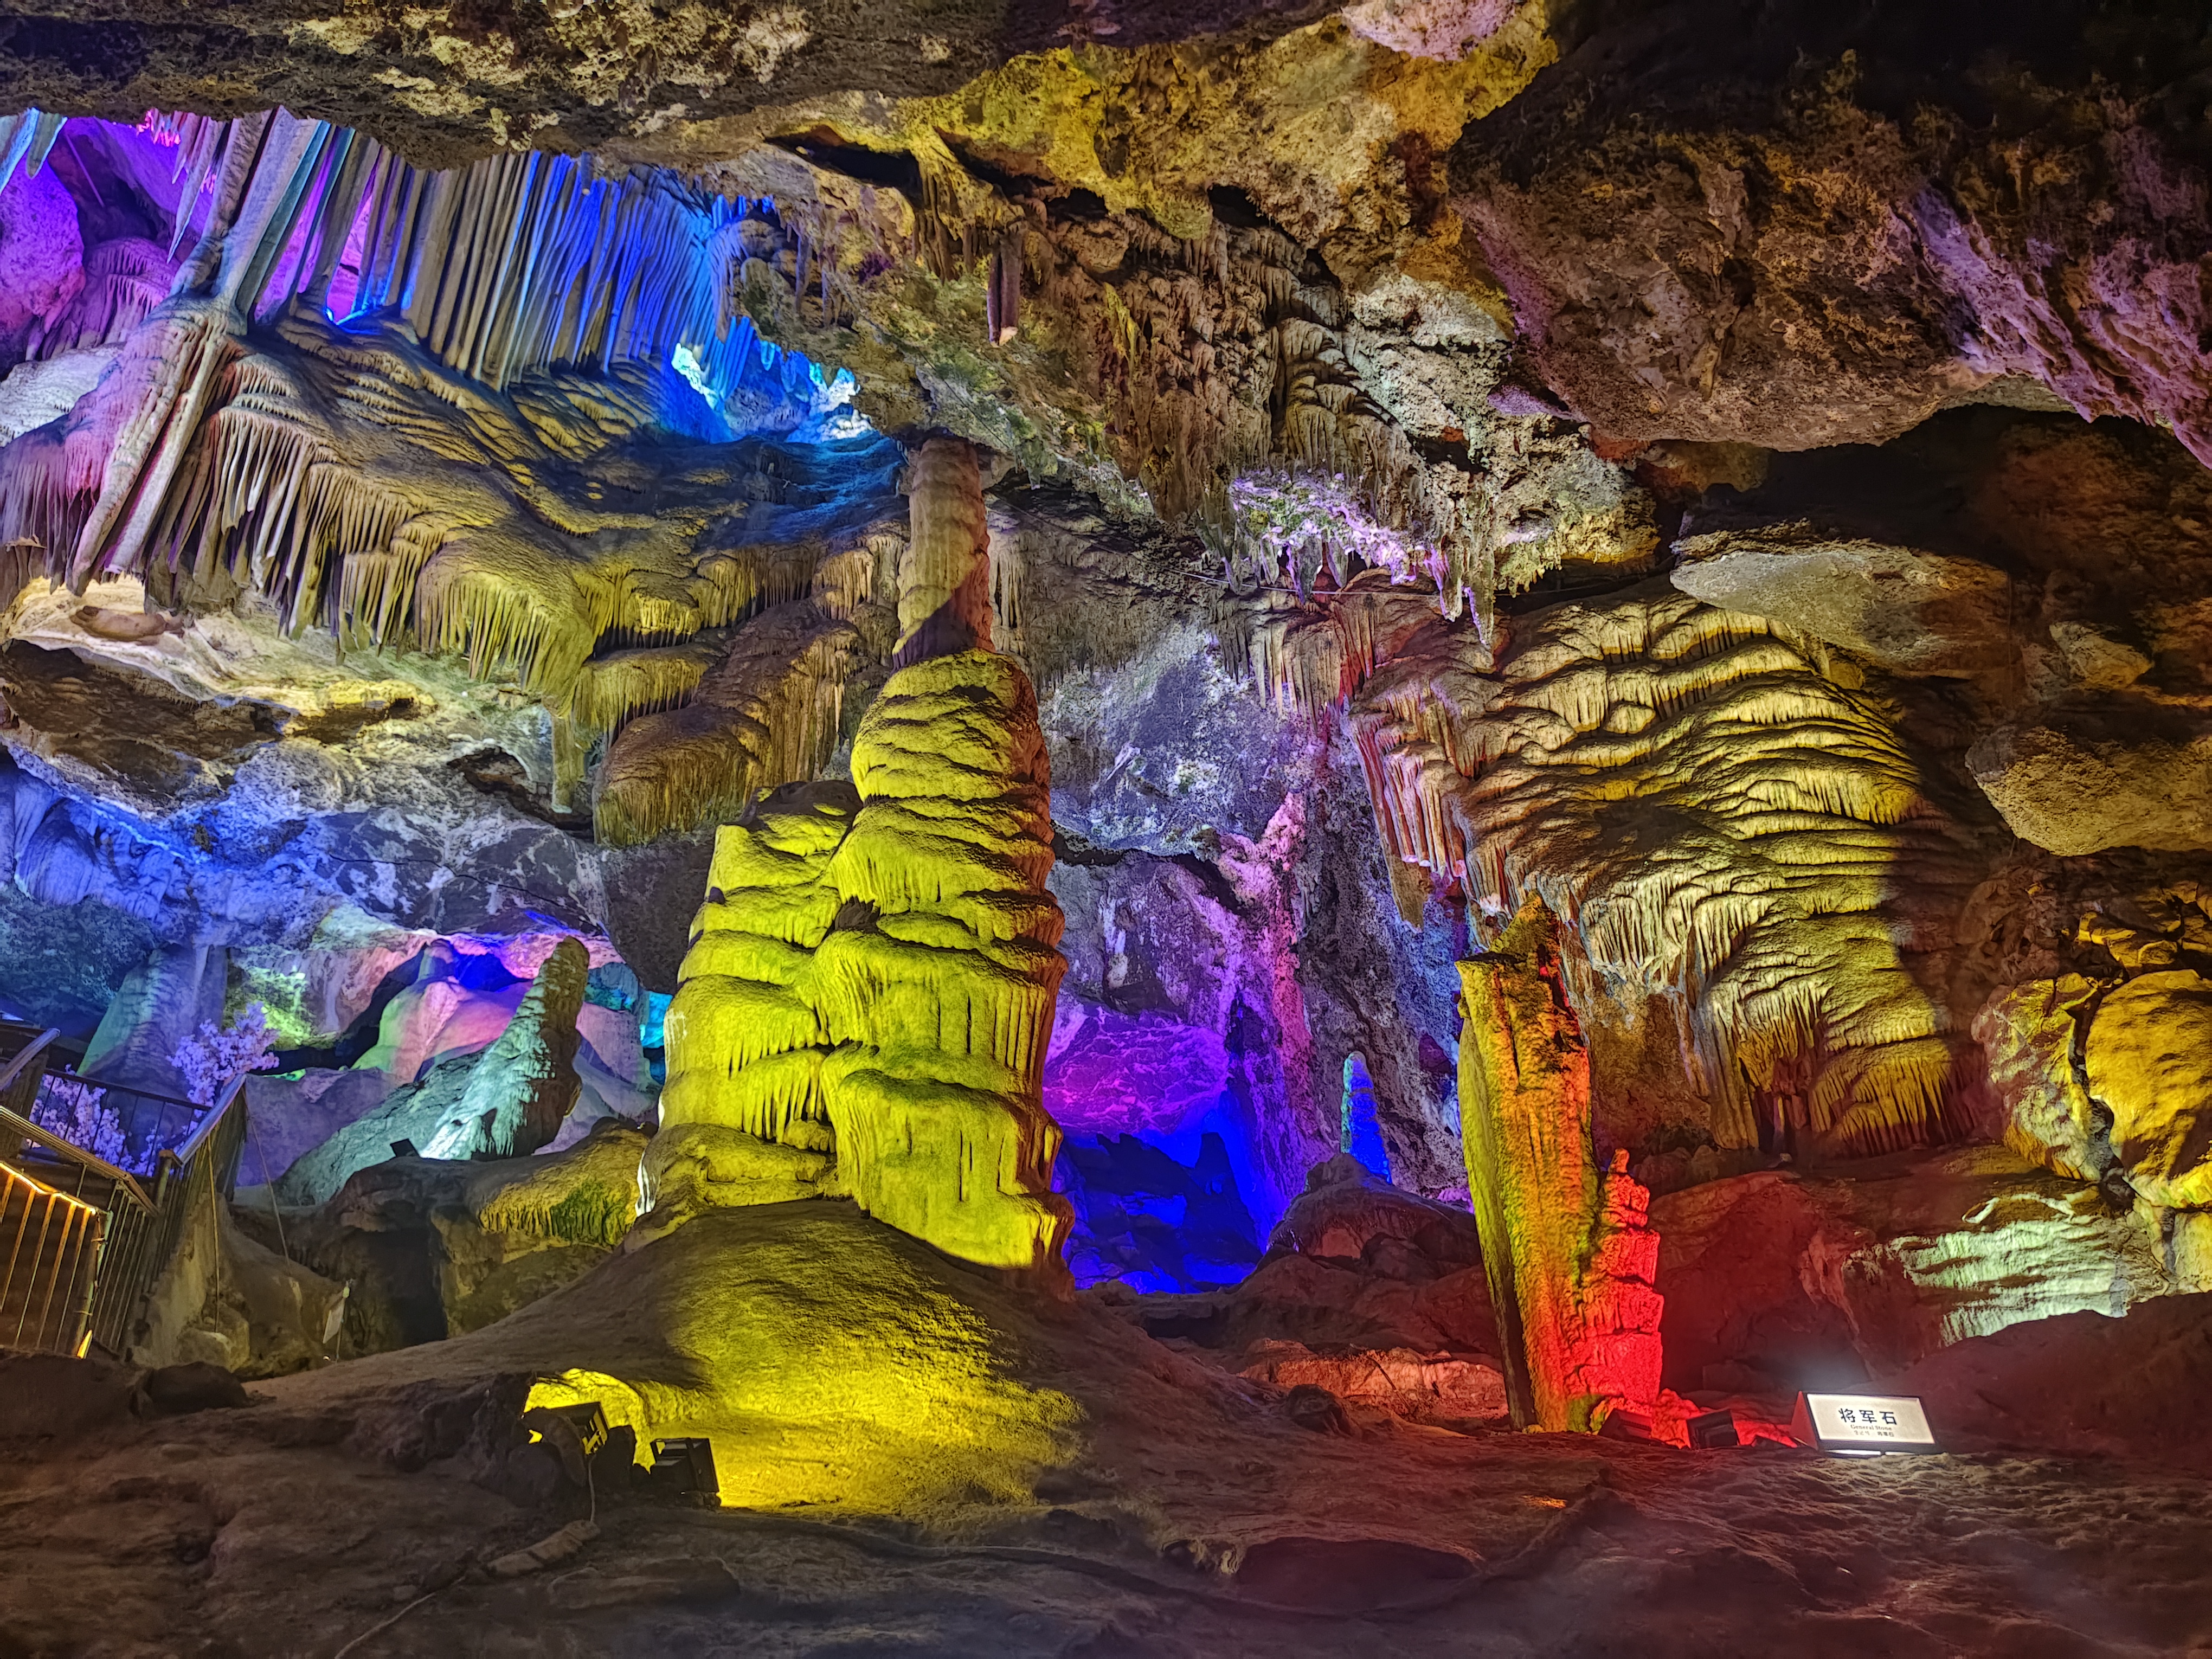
{"x": 1570, "y": 1255}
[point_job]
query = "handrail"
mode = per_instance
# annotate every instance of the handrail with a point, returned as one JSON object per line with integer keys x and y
{"x": 137, "y": 1249}
{"x": 121, "y": 1087}
{"x": 12, "y": 1124}
{"x": 74, "y": 1260}
{"x": 44, "y": 1191}
{"x": 25, "y": 1056}
{"x": 188, "y": 1148}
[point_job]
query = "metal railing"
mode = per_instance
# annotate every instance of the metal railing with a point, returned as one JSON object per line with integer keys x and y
{"x": 194, "y": 1179}
{"x": 25, "y": 1050}
{"x": 141, "y": 1230}
{"x": 52, "y": 1245}
{"x": 144, "y": 1123}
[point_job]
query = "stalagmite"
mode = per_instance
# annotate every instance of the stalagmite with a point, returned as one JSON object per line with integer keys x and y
{"x": 944, "y": 577}
{"x": 946, "y": 1002}
{"x": 874, "y": 972}
{"x": 506, "y": 1101}
{"x": 522, "y": 1086}
{"x": 1569, "y": 1255}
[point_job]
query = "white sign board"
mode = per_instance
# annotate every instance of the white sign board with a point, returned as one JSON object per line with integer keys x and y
{"x": 1866, "y": 1423}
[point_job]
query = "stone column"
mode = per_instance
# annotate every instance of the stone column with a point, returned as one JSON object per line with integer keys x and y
{"x": 1569, "y": 1253}
{"x": 881, "y": 1018}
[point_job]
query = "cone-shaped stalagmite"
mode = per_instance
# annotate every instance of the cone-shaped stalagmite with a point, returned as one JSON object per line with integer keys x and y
{"x": 876, "y": 986}
{"x": 523, "y": 1085}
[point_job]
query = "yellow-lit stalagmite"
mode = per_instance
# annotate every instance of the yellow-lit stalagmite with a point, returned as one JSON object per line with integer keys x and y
{"x": 866, "y": 1001}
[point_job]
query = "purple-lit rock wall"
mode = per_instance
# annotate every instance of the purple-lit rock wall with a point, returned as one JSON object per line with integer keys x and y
{"x": 1231, "y": 937}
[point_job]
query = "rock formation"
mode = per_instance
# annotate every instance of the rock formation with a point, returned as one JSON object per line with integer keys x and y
{"x": 866, "y": 1006}
{"x": 521, "y": 1088}
{"x": 506, "y": 1100}
{"x": 1569, "y": 1252}
{"x": 433, "y": 1248}
{"x": 1530, "y": 749}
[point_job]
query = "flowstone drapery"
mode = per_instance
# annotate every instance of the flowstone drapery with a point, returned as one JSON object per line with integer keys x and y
{"x": 866, "y": 1006}
{"x": 1760, "y": 882}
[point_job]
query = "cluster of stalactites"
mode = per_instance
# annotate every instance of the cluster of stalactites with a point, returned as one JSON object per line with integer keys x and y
{"x": 197, "y": 454}
{"x": 1236, "y": 406}
{"x": 767, "y": 712}
{"x": 265, "y": 496}
{"x": 1305, "y": 658}
{"x": 511, "y": 264}
{"x": 529, "y": 259}
{"x": 886, "y": 964}
{"x": 1723, "y": 825}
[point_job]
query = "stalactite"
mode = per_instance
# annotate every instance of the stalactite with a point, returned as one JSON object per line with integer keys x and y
{"x": 376, "y": 589}
{"x": 25, "y": 140}
{"x": 613, "y": 689}
{"x": 509, "y": 607}
{"x": 239, "y": 432}
{"x": 1002, "y": 293}
{"x": 269, "y": 498}
{"x": 123, "y": 280}
{"x": 766, "y": 714}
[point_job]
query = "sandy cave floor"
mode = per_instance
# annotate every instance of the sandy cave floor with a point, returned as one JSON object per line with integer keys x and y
{"x": 1184, "y": 1514}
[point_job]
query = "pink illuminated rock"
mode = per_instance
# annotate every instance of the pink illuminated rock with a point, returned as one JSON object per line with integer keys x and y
{"x": 426, "y": 1024}
{"x": 1420, "y": 1387}
{"x": 1124, "y": 1074}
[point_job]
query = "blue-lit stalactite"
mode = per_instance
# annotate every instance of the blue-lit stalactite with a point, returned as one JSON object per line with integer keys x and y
{"x": 520, "y": 261}
{"x": 1359, "y": 1132}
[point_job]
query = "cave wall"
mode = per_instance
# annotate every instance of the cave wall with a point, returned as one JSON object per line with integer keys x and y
{"x": 1733, "y": 472}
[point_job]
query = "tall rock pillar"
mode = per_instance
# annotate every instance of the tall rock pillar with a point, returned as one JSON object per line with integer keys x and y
{"x": 866, "y": 1009}
{"x": 1568, "y": 1251}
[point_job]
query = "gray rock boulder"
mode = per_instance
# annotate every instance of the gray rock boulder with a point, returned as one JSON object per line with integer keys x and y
{"x": 2078, "y": 783}
{"x": 1900, "y": 608}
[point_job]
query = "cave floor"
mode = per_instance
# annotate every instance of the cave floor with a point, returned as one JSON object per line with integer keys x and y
{"x": 205, "y": 1536}
{"x": 939, "y": 1464}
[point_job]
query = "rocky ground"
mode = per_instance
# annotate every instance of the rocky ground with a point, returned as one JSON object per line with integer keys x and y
{"x": 922, "y": 1460}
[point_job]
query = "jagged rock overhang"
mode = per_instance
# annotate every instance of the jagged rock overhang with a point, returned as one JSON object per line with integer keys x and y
{"x": 450, "y": 85}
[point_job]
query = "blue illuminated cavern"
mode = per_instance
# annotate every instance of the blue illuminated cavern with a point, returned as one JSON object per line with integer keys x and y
{"x": 1099, "y": 830}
